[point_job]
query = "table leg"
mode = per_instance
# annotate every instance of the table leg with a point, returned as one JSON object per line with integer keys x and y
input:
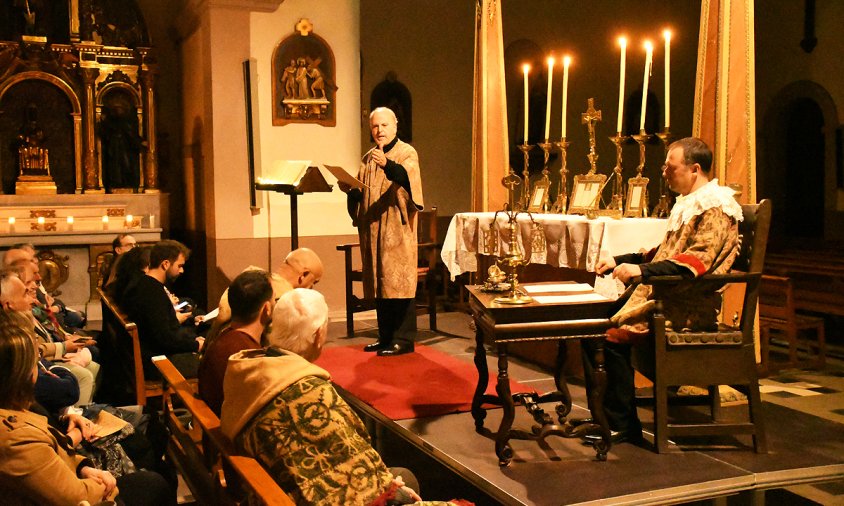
{"x": 478, "y": 413}
{"x": 596, "y": 398}
{"x": 564, "y": 407}
{"x": 502, "y": 447}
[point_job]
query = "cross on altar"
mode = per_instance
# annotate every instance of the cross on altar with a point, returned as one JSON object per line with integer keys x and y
{"x": 589, "y": 118}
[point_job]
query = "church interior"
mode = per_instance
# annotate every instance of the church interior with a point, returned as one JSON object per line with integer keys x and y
{"x": 177, "y": 120}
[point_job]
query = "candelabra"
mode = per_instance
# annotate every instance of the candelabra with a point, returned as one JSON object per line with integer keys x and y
{"x": 663, "y": 208}
{"x": 562, "y": 196}
{"x": 617, "y": 202}
{"x": 525, "y": 149}
{"x": 639, "y": 208}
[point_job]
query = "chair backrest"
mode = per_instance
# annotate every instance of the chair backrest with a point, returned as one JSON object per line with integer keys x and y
{"x": 126, "y": 341}
{"x": 753, "y": 231}
{"x": 426, "y": 225}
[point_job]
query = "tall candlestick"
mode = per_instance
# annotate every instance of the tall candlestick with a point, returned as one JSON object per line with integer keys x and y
{"x": 566, "y": 63}
{"x": 526, "y": 69}
{"x": 649, "y": 53}
{"x": 667, "y": 35}
{"x": 622, "y": 41}
{"x": 548, "y": 99}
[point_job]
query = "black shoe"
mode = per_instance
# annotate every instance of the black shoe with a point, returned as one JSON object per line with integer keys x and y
{"x": 395, "y": 349}
{"x": 616, "y": 437}
{"x": 376, "y": 346}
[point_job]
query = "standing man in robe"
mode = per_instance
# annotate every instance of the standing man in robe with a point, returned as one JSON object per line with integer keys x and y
{"x": 385, "y": 214}
{"x": 702, "y": 238}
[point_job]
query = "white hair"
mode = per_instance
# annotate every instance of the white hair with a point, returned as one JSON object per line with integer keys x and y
{"x": 297, "y": 318}
{"x": 383, "y": 109}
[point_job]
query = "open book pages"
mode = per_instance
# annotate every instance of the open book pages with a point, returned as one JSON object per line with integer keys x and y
{"x": 557, "y": 287}
{"x": 285, "y": 172}
{"x": 569, "y": 299}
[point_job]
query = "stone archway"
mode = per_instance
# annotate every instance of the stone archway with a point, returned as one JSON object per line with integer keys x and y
{"x": 797, "y": 161}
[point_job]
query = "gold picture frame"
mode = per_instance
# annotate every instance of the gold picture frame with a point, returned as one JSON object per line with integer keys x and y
{"x": 539, "y": 196}
{"x": 586, "y": 193}
{"x": 637, "y": 197}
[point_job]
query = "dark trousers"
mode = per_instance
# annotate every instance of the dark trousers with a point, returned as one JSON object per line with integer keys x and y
{"x": 396, "y": 321}
{"x": 620, "y": 397}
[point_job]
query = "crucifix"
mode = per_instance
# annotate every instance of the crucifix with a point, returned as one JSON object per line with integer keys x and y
{"x": 589, "y": 118}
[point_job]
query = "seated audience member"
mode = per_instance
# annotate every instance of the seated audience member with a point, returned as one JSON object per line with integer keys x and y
{"x": 302, "y": 268}
{"x": 65, "y": 317}
{"x": 251, "y": 298}
{"x": 160, "y": 326}
{"x": 702, "y": 238}
{"x": 37, "y": 463}
{"x": 283, "y": 410}
{"x": 15, "y": 296}
{"x": 126, "y": 270}
{"x": 121, "y": 244}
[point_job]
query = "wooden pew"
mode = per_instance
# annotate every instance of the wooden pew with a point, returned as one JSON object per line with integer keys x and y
{"x": 121, "y": 335}
{"x": 818, "y": 279}
{"x": 197, "y": 462}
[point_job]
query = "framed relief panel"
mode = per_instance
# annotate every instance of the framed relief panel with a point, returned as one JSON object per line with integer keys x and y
{"x": 637, "y": 197}
{"x": 586, "y": 193}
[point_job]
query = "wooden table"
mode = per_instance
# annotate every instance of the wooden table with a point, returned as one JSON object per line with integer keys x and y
{"x": 503, "y": 324}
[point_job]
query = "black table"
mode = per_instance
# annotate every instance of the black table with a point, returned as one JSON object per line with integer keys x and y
{"x": 502, "y": 324}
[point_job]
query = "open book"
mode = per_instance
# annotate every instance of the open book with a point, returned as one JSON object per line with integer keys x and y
{"x": 285, "y": 172}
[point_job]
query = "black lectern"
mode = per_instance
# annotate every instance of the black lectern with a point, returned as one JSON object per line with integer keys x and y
{"x": 310, "y": 181}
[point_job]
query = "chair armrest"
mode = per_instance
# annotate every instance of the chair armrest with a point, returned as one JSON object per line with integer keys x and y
{"x": 715, "y": 279}
{"x": 348, "y": 247}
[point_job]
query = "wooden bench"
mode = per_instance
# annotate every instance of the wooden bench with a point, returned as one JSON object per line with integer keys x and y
{"x": 120, "y": 336}
{"x": 198, "y": 463}
{"x": 818, "y": 279}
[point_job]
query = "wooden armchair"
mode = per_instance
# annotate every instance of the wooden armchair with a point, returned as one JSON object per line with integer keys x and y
{"x": 777, "y": 313}
{"x": 426, "y": 227}
{"x": 723, "y": 357}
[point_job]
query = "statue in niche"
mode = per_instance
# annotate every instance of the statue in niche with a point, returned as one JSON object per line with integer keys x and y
{"x": 288, "y": 79}
{"x": 302, "y": 80}
{"x": 33, "y": 157}
{"x": 121, "y": 145}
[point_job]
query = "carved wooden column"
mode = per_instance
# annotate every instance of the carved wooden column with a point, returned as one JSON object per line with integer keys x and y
{"x": 149, "y": 183}
{"x": 93, "y": 180}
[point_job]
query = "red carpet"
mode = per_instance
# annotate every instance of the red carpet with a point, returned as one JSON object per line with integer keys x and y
{"x": 416, "y": 385}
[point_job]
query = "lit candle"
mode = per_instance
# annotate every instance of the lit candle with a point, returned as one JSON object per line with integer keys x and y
{"x": 548, "y": 100}
{"x": 667, "y": 35}
{"x": 566, "y": 63}
{"x": 11, "y": 224}
{"x": 41, "y": 221}
{"x": 622, "y": 41}
{"x": 105, "y": 222}
{"x": 70, "y": 222}
{"x": 129, "y": 221}
{"x": 526, "y": 69}
{"x": 649, "y": 53}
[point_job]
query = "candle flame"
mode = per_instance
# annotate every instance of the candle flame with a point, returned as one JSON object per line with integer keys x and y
{"x": 526, "y": 68}
{"x": 550, "y": 61}
{"x": 11, "y": 220}
{"x": 648, "y": 46}
{"x": 70, "y": 219}
{"x": 667, "y": 34}
{"x": 567, "y": 61}
{"x": 622, "y": 41}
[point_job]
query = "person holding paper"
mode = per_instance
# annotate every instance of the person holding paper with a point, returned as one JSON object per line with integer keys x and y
{"x": 385, "y": 213}
{"x": 702, "y": 238}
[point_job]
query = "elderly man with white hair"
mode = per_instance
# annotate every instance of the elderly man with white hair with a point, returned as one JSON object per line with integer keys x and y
{"x": 283, "y": 410}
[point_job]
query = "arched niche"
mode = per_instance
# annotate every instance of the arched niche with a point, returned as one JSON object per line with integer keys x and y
{"x": 393, "y": 94}
{"x": 119, "y": 117}
{"x": 59, "y": 116}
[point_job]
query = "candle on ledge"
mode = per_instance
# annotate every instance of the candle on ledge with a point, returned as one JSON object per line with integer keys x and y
{"x": 566, "y": 63}
{"x": 105, "y": 222}
{"x": 548, "y": 99}
{"x": 622, "y": 41}
{"x": 526, "y": 69}
{"x": 41, "y": 221}
{"x": 649, "y": 53}
{"x": 70, "y": 223}
{"x": 11, "y": 224}
{"x": 129, "y": 221}
{"x": 151, "y": 221}
{"x": 667, "y": 35}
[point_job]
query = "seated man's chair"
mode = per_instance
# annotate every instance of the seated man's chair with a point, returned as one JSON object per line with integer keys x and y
{"x": 426, "y": 229}
{"x": 723, "y": 357}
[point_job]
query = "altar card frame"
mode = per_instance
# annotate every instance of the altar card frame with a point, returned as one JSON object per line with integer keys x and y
{"x": 539, "y": 196}
{"x": 637, "y": 195}
{"x": 586, "y": 193}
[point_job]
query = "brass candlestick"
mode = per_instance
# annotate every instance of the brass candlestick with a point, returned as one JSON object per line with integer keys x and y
{"x": 544, "y": 181}
{"x": 512, "y": 261}
{"x": 618, "y": 185}
{"x": 525, "y": 149}
{"x": 641, "y": 138}
{"x": 562, "y": 196}
{"x": 663, "y": 208}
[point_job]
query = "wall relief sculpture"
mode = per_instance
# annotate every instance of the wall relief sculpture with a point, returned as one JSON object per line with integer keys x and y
{"x": 303, "y": 73}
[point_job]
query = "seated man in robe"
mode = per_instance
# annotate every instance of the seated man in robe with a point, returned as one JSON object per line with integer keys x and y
{"x": 283, "y": 410}
{"x": 251, "y": 299}
{"x": 160, "y": 328}
{"x": 702, "y": 238}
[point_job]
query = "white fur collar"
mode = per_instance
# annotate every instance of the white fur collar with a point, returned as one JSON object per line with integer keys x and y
{"x": 704, "y": 198}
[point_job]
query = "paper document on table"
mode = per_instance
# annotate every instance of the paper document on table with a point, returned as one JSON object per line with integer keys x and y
{"x": 557, "y": 287}
{"x": 574, "y": 298}
{"x": 609, "y": 286}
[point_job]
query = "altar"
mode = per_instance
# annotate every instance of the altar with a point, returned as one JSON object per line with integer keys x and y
{"x": 570, "y": 241}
